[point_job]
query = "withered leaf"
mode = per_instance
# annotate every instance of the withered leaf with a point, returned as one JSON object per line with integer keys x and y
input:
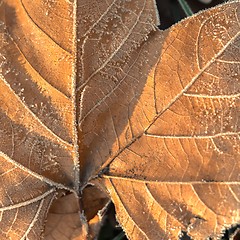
{"x": 93, "y": 95}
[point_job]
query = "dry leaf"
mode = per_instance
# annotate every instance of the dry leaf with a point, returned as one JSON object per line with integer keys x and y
{"x": 63, "y": 221}
{"x": 92, "y": 94}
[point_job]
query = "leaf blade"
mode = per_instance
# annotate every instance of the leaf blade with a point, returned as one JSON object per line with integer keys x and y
{"x": 189, "y": 146}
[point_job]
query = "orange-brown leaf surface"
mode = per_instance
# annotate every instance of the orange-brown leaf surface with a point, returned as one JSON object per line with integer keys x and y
{"x": 97, "y": 104}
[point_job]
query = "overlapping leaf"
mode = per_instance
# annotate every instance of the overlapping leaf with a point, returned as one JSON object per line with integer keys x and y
{"x": 181, "y": 170}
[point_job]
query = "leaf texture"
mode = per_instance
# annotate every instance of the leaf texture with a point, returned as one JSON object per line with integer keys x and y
{"x": 38, "y": 156}
{"x": 63, "y": 221}
{"x": 110, "y": 44}
{"x": 93, "y": 95}
{"x": 180, "y": 171}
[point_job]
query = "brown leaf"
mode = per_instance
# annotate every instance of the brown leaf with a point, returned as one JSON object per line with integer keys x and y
{"x": 180, "y": 171}
{"x": 92, "y": 94}
{"x": 63, "y": 221}
{"x": 126, "y": 25}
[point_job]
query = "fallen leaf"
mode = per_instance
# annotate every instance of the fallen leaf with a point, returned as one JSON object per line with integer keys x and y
{"x": 63, "y": 221}
{"x": 180, "y": 171}
{"x": 93, "y": 95}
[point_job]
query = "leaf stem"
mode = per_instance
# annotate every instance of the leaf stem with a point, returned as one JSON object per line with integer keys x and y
{"x": 186, "y": 8}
